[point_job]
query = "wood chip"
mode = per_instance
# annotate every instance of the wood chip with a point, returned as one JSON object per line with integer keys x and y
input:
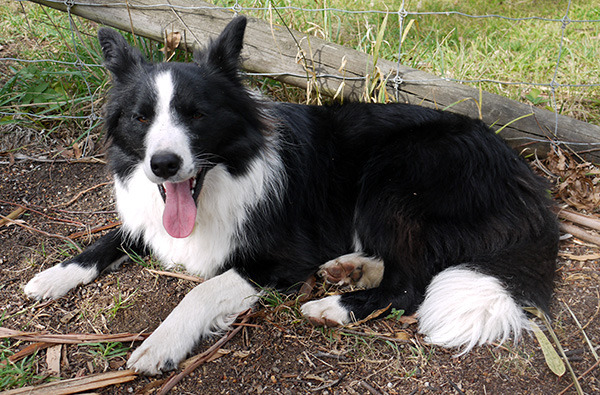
{"x": 53, "y": 359}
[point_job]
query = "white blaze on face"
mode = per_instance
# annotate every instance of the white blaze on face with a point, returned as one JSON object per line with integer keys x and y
{"x": 167, "y": 135}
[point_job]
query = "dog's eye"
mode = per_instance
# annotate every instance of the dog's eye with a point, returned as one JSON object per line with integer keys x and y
{"x": 197, "y": 115}
{"x": 142, "y": 119}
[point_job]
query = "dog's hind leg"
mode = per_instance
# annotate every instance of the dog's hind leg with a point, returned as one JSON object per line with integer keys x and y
{"x": 106, "y": 253}
{"x": 356, "y": 305}
{"x": 353, "y": 269}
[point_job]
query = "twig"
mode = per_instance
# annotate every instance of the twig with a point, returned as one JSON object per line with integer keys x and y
{"x": 70, "y": 338}
{"x": 546, "y": 322}
{"x": 177, "y": 275}
{"x": 310, "y": 362}
{"x": 30, "y": 349}
{"x": 200, "y": 359}
{"x": 580, "y": 258}
{"x": 369, "y": 388}
{"x": 27, "y": 208}
{"x": 100, "y": 228}
{"x": 376, "y": 335}
{"x": 187, "y": 28}
{"x": 78, "y": 384}
{"x": 579, "y": 219}
{"x": 460, "y": 392}
{"x": 594, "y": 366}
{"x": 329, "y": 385}
{"x": 585, "y": 336}
{"x": 90, "y": 159}
{"x": 44, "y": 233}
{"x": 580, "y": 233}
{"x": 81, "y": 193}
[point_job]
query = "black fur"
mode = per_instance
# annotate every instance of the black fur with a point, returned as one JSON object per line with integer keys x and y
{"x": 421, "y": 189}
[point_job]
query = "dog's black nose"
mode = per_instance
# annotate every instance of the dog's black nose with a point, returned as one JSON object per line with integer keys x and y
{"x": 165, "y": 164}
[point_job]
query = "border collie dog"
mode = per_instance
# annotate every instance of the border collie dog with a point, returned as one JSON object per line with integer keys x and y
{"x": 425, "y": 210}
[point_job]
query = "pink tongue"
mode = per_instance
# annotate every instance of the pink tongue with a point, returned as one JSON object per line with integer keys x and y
{"x": 180, "y": 209}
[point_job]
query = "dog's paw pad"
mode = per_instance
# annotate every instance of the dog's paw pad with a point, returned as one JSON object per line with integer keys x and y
{"x": 352, "y": 269}
{"x": 326, "y": 312}
{"x": 341, "y": 271}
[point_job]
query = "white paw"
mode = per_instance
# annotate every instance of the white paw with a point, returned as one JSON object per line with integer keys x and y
{"x": 326, "y": 312}
{"x": 58, "y": 280}
{"x": 161, "y": 352}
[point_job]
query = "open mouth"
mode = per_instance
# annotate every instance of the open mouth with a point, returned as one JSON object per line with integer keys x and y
{"x": 195, "y": 185}
{"x": 179, "y": 216}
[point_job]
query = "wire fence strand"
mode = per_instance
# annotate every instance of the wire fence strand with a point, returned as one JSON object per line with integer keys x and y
{"x": 81, "y": 66}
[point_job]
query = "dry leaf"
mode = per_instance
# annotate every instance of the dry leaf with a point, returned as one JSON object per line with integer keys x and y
{"x": 220, "y": 352}
{"x": 241, "y": 354}
{"x": 12, "y": 216}
{"x": 403, "y": 335}
{"x": 77, "y": 152}
{"x": 552, "y": 358}
{"x": 576, "y": 184}
{"x": 408, "y": 319}
{"x": 172, "y": 41}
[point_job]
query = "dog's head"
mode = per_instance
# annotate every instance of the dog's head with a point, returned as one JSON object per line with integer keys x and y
{"x": 178, "y": 120}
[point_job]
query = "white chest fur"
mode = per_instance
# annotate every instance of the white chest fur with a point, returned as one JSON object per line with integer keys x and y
{"x": 223, "y": 205}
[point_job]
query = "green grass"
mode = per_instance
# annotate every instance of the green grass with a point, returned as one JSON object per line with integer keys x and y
{"x": 17, "y": 374}
{"x": 120, "y": 302}
{"x": 449, "y": 45}
{"x": 61, "y": 90}
{"x": 283, "y": 305}
{"x": 103, "y": 353}
{"x": 470, "y": 49}
{"x": 148, "y": 262}
{"x": 56, "y": 98}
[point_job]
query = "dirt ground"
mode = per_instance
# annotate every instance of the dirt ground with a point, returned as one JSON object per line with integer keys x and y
{"x": 278, "y": 353}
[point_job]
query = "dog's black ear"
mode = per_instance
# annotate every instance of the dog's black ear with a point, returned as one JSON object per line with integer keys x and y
{"x": 224, "y": 51}
{"x": 120, "y": 58}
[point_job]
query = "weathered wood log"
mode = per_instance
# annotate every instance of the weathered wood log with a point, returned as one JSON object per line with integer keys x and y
{"x": 300, "y": 59}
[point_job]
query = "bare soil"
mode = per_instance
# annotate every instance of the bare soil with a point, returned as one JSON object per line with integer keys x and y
{"x": 279, "y": 353}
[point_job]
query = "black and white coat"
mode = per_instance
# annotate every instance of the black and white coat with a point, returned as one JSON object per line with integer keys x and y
{"x": 428, "y": 211}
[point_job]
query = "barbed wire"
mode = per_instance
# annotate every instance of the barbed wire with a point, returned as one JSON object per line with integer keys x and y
{"x": 79, "y": 65}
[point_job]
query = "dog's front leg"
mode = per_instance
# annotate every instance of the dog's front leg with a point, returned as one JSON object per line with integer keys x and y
{"x": 209, "y": 308}
{"x": 108, "y": 252}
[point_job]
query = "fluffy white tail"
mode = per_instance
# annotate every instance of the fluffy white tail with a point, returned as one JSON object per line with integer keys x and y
{"x": 464, "y": 308}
